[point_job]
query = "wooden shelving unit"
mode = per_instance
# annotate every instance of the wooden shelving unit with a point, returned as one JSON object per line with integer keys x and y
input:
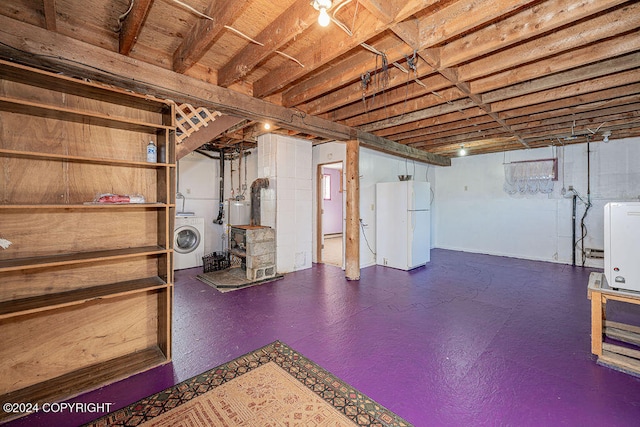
{"x": 625, "y": 357}
{"x": 86, "y": 289}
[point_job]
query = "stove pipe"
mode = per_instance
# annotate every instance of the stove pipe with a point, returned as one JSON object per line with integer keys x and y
{"x": 256, "y": 186}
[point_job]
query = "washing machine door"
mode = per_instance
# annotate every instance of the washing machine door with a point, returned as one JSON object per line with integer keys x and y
{"x": 187, "y": 239}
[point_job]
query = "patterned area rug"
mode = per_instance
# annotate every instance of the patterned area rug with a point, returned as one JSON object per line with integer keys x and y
{"x": 272, "y": 386}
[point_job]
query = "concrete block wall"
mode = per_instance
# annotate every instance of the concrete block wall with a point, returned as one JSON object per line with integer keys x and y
{"x": 261, "y": 253}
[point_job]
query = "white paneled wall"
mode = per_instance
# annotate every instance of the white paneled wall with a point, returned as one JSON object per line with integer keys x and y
{"x": 287, "y": 204}
{"x": 199, "y": 181}
{"x": 470, "y": 211}
{"x": 474, "y": 214}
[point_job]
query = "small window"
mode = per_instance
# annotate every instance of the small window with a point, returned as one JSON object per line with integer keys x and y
{"x": 326, "y": 187}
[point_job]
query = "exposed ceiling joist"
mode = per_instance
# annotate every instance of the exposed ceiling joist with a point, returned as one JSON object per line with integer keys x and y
{"x": 428, "y": 74}
{"x": 332, "y": 46}
{"x": 132, "y": 24}
{"x": 205, "y": 31}
{"x": 38, "y": 47}
{"x": 384, "y": 11}
{"x": 50, "y": 14}
{"x": 288, "y": 25}
{"x": 583, "y": 33}
{"x": 206, "y": 134}
{"x": 343, "y": 73}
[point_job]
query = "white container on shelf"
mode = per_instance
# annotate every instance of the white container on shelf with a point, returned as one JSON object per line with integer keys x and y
{"x": 152, "y": 153}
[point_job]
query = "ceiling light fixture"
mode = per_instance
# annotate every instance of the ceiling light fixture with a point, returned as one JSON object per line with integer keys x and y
{"x": 267, "y": 126}
{"x": 322, "y": 6}
{"x": 606, "y": 136}
{"x": 462, "y": 151}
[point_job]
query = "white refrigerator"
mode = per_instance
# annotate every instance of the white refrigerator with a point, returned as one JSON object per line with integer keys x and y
{"x": 403, "y": 224}
{"x": 622, "y": 245}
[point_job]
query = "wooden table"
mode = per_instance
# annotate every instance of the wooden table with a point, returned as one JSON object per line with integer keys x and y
{"x": 616, "y": 356}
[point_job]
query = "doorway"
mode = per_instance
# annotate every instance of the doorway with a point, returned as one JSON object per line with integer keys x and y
{"x": 330, "y": 214}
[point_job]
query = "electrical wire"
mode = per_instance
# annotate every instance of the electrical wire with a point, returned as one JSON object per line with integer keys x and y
{"x": 122, "y": 17}
{"x": 584, "y": 232}
{"x": 365, "y": 237}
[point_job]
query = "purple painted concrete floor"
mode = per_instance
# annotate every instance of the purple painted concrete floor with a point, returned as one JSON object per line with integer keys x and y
{"x": 468, "y": 340}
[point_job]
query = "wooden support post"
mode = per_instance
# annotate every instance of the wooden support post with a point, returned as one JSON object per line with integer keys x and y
{"x": 596, "y": 322}
{"x": 352, "y": 244}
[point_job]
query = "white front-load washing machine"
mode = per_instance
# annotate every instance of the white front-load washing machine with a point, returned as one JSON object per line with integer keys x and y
{"x": 188, "y": 242}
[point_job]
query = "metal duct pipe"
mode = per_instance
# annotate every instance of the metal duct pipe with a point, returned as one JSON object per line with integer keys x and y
{"x": 219, "y": 220}
{"x": 256, "y": 186}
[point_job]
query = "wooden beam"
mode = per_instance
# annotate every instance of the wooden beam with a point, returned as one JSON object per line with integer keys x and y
{"x": 384, "y": 11}
{"x": 486, "y": 125}
{"x": 408, "y": 31}
{"x": 531, "y": 22}
{"x": 344, "y": 72}
{"x": 401, "y": 87}
{"x": 418, "y": 115}
{"x": 568, "y": 91}
{"x": 576, "y": 104}
{"x": 382, "y": 110}
{"x": 462, "y": 16}
{"x": 38, "y": 47}
{"x": 205, "y": 32}
{"x": 583, "y": 74}
{"x": 205, "y": 134}
{"x": 450, "y": 21}
{"x": 390, "y": 147}
{"x": 615, "y": 106}
{"x": 480, "y": 122}
{"x": 451, "y": 74}
{"x": 592, "y": 53}
{"x": 49, "y": 14}
{"x": 288, "y": 25}
{"x": 442, "y": 119}
{"x": 132, "y": 25}
{"x": 577, "y": 36}
{"x": 352, "y": 232}
{"x": 335, "y": 44}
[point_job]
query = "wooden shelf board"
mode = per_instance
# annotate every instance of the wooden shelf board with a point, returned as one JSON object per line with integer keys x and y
{"x": 95, "y": 108}
{"x": 620, "y": 362}
{"x": 67, "y": 114}
{"x": 78, "y": 258}
{"x": 89, "y": 205}
{"x": 85, "y": 379}
{"x": 60, "y": 83}
{"x": 79, "y": 296}
{"x": 79, "y": 159}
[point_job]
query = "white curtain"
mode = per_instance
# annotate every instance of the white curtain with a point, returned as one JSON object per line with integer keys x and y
{"x": 529, "y": 177}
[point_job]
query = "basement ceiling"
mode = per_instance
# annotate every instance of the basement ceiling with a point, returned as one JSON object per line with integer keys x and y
{"x": 432, "y": 75}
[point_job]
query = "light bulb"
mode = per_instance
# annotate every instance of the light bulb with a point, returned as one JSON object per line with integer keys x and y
{"x": 462, "y": 151}
{"x": 323, "y": 18}
{"x": 267, "y": 126}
